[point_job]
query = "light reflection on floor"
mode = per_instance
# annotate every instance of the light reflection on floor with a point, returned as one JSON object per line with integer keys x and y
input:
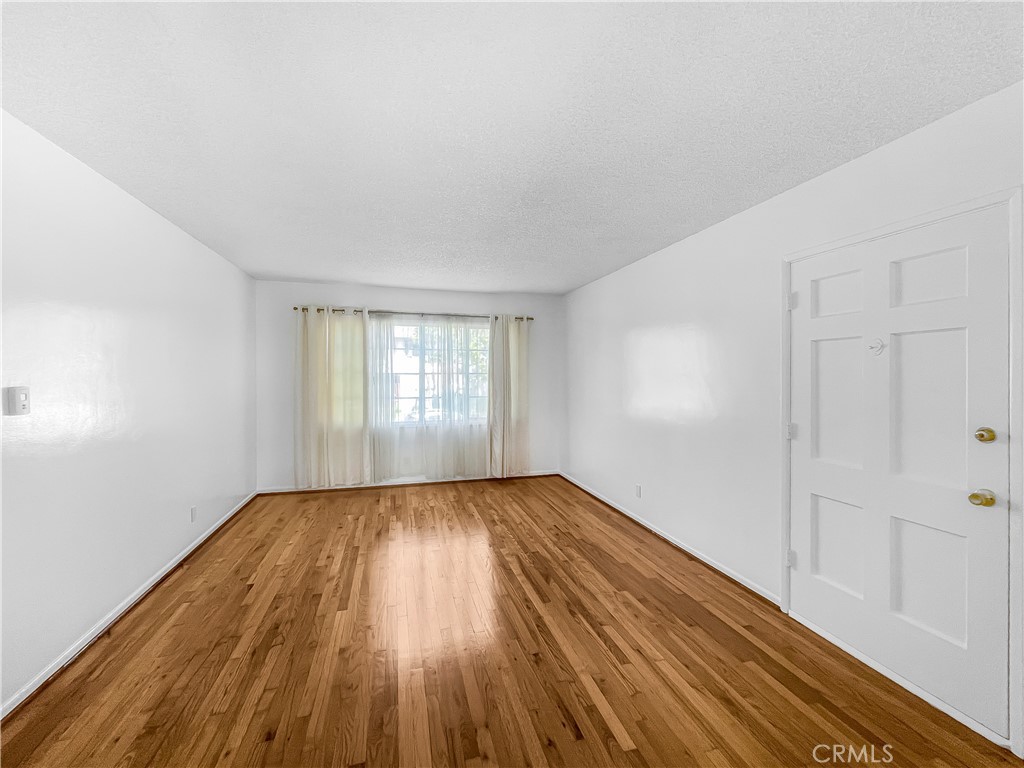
{"x": 452, "y": 581}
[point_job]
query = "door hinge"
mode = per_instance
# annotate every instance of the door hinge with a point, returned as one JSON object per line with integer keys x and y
{"x": 790, "y": 431}
{"x": 791, "y": 300}
{"x": 791, "y": 558}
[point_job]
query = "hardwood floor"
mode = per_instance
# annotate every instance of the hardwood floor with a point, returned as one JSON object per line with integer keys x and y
{"x": 501, "y": 622}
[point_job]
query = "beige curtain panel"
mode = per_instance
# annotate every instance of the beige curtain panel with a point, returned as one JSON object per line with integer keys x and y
{"x": 330, "y": 403}
{"x": 508, "y": 397}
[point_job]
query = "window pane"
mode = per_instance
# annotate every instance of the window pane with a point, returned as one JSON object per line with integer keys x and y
{"x": 406, "y": 361}
{"x": 478, "y": 385}
{"x": 478, "y": 408}
{"x": 407, "y": 337}
{"x": 458, "y": 408}
{"x": 432, "y": 383}
{"x": 479, "y": 338}
{"x": 407, "y": 409}
{"x": 431, "y": 360}
{"x": 406, "y": 385}
{"x": 478, "y": 361}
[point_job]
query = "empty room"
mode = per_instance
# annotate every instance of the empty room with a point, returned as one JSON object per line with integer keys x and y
{"x": 584, "y": 385}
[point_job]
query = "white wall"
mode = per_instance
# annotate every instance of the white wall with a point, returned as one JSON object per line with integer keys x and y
{"x": 705, "y": 443}
{"x": 275, "y": 354}
{"x": 135, "y": 341}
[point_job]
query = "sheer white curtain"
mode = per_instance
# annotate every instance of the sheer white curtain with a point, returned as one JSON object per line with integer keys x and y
{"x": 508, "y": 402}
{"x": 427, "y": 394}
{"x": 330, "y": 403}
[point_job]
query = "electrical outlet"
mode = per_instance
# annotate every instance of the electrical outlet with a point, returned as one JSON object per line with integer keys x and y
{"x": 639, "y": 490}
{"x": 191, "y": 514}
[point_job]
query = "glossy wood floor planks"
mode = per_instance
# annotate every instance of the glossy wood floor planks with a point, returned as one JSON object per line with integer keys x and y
{"x": 500, "y": 622}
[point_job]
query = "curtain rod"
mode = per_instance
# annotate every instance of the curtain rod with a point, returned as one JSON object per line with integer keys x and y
{"x": 393, "y": 312}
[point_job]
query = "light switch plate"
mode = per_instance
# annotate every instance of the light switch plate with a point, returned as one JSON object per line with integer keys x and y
{"x": 17, "y": 401}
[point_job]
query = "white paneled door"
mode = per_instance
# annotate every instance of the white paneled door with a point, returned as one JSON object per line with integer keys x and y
{"x": 900, "y": 517}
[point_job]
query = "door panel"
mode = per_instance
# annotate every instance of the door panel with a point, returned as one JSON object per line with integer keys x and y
{"x": 838, "y": 294}
{"x": 837, "y": 544}
{"x": 838, "y": 400}
{"x": 929, "y": 424}
{"x": 929, "y": 576}
{"x": 929, "y": 277}
{"x": 899, "y": 352}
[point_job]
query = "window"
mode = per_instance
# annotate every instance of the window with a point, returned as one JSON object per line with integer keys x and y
{"x": 383, "y": 395}
{"x": 439, "y": 370}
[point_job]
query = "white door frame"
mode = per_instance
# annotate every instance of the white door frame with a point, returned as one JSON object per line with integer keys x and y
{"x": 1010, "y": 198}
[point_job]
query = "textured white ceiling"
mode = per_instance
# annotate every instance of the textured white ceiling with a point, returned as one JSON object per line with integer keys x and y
{"x": 522, "y": 147}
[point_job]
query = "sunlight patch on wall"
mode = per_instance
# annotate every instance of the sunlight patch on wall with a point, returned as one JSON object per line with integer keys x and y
{"x": 667, "y": 374}
{"x": 66, "y": 355}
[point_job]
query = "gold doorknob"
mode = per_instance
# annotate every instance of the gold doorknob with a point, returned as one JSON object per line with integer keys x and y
{"x": 982, "y": 497}
{"x": 985, "y": 435}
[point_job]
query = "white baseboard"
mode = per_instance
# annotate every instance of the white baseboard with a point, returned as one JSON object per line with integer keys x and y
{"x": 752, "y": 586}
{"x": 101, "y": 626}
{"x": 939, "y": 704}
{"x": 389, "y": 483}
{"x": 277, "y": 489}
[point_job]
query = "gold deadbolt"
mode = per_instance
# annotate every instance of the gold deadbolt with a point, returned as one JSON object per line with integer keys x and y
{"x": 982, "y": 497}
{"x": 985, "y": 435}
